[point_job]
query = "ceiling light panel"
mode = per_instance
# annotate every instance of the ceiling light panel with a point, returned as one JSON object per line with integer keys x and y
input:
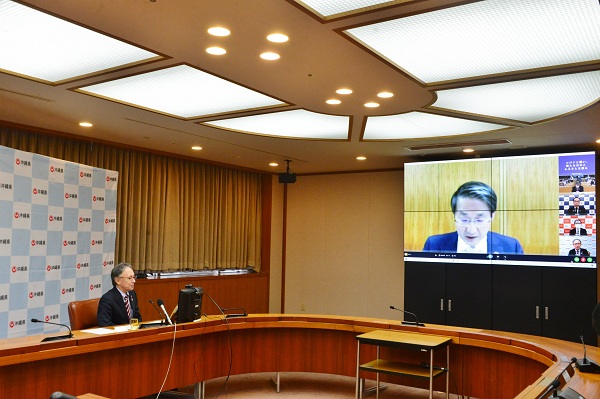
{"x": 415, "y": 125}
{"x": 487, "y": 37}
{"x": 292, "y": 124}
{"x": 182, "y": 91}
{"x": 530, "y": 100}
{"x": 43, "y": 47}
{"x": 329, "y": 8}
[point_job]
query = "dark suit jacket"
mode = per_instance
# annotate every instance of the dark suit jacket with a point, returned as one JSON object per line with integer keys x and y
{"x": 111, "y": 309}
{"x": 582, "y": 231}
{"x": 576, "y": 189}
{"x": 496, "y": 243}
{"x": 573, "y": 210}
{"x": 583, "y": 252}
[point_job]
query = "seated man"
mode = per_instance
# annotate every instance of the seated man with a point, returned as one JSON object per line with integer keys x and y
{"x": 578, "y": 229}
{"x": 577, "y": 250}
{"x": 576, "y": 208}
{"x": 474, "y": 207}
{"x": 119, "y": 305}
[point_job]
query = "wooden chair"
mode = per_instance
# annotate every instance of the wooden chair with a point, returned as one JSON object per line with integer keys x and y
{"x": 83, "y": 314}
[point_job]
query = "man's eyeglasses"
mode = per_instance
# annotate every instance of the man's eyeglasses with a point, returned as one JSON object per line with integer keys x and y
{"x": 476, "y": 222}
{"x": 128, "y": 278}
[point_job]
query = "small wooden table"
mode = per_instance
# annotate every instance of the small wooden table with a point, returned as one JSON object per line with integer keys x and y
{"x": 406, "y": 340}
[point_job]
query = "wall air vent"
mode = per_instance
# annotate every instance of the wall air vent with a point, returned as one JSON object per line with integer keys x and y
{"x": 455, "y": 144}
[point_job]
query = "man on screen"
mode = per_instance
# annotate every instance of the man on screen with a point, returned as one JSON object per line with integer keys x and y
{"x": 577, "y": 208}
{"x": 474, "y": 207}
{"x": 577, "y": 250}
{"x": 578, "y": 229}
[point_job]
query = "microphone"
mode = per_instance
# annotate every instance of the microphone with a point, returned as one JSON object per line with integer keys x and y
{"x": 70, "y": 335}
{"x": 162, "y": 306}
{"x": 412, "y": 323}
{"x": 584, "y": 365}
{"x": 160, "y": 313}
{"x": 243, "y": 314}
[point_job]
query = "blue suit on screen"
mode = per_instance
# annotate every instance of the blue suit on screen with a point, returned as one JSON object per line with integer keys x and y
{"x": 496, "y": 243}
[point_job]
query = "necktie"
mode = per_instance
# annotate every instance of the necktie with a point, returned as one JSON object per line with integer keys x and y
{"x": 126, "y": 298}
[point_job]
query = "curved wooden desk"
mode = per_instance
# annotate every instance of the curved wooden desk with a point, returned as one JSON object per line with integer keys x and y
{"x": 485, "y": 364}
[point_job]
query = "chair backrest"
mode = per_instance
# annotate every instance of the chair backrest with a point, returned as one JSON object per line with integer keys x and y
{"x": 83, "y": 314}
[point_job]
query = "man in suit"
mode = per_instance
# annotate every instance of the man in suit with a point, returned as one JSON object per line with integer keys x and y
{"x": 577, "y": 208}
{"x": 474, "y": 207}
{"x": 577, "y": 250}
{"x": 577, "y": 229}
{"x": 119, "y": 305}
{"x": 577, "y": 187}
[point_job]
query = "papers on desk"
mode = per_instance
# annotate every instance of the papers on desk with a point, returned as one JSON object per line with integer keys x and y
{"x": 104, "y": 331}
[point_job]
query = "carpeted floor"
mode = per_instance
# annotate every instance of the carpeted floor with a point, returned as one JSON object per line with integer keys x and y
{"x": 298, "y": 386}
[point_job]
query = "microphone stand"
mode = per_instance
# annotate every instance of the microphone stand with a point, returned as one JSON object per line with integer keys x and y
{"x": 56, "y": 338}
{"x": 408, "y": 322}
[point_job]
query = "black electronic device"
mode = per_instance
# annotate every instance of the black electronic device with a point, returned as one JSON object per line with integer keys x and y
{"x": 288, "y": 176}
{"x": 55, "y": 338}
{"x": 189, "y": 307}
{"x": 585, "y": 365}
{"x": 408, "y": 322}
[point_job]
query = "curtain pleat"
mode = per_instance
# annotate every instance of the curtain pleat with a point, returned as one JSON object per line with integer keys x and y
{"x": 172, "y": 214}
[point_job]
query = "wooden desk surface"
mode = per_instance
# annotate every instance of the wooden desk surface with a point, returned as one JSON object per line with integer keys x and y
{"x": 398, "y": 338}
{"x": 486, "y": 364}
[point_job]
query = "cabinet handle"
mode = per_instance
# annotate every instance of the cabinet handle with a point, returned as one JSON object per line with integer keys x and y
{"x": 546, "y": 312}
{"x": 442, "y": 304}
{"x": 449, "y": 305}
{"x": 537, "y": 312}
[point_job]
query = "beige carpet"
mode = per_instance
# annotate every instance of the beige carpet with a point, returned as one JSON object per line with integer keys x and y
{"x": 300, "y": 386}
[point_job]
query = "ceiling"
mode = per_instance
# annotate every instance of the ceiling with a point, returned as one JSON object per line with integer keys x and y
{"x": 317, "y": 60}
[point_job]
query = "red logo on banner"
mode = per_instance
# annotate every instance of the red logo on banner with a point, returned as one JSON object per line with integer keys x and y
{"x": 104, "y": 263}
{"x": 80, "y": 219}
{"x": 93, "y": 242}
{"x": 35, "y": 190}
{"x": 31, "y": 295}
{"x": 47, "y": 318}
{"x": 48, "y": 268}
{"x": 107, "y": 178}
{"x": 14, "y": 269}
{"x": 94, "y": 198}
{"x": 16, "y": 215}
{"x": 50, "y": 218}
{"x": 64, "y": 243}
{"x": 66, "y": 195}
{"x": 80, "y": 174}
{"x": 79, "y": 265}
{"x": 18, "y": 161}
{"x": 106, "y": 221}
{"x": 51, "y": 168}
{"x": 33, "y": 243}
{"x": 63, "y": 291}
{"x": 91, "y": 287}
{"x": 11, "y": 324}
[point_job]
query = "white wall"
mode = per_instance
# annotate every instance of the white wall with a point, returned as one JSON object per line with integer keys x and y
{"x": 344, "y": 245}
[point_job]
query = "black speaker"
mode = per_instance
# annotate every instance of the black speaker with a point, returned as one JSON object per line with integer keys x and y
{"x": 287, "y": 178}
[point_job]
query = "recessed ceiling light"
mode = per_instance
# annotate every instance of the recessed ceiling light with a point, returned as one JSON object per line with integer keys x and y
{"x": 270, "y": 56}
{"x": 333, "y": 101}
{"x": 468, "y": 150}
{"x": 343, "y": 91}
{"x": 216, "y": 50}
{"x": 85, "y": 124}
{"x": 196, "y": 148}
{"x": 598, "y": 141}
{"x": 218, "y": 31}
{"x": 385, "y": 94}
{"x": 361, "y": 158}
{"x": 273, "y": 164}
{"x": 277, "y": 38}
{"x": 371, "y": 105}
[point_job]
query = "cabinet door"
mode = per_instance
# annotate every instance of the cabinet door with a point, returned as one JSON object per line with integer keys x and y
{"x": 517, "y": 299}
{"x": 469, "y": 295}
{"x": 570, "y": 296}
{"x": 425, "y": 290}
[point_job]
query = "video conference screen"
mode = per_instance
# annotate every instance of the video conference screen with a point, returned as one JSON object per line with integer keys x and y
{"x": 537, "y": 210}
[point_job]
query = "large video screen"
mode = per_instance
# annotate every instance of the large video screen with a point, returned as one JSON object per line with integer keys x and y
{"x": 537, "y": 210}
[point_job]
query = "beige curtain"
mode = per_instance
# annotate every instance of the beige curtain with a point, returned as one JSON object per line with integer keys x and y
{"x": 172, "y": 214}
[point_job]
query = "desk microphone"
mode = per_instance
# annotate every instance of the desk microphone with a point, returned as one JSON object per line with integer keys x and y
{"x": 160, "y": 313}
{"x": 70, "y": 335}
{"x": 412, "y": 323}
{"x": 242, "y": 314}
{"x": 585, "y": 365}
{"x": 162, "y": 306}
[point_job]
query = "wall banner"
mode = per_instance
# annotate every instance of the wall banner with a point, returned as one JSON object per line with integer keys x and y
{"x": 58, "y": 224}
